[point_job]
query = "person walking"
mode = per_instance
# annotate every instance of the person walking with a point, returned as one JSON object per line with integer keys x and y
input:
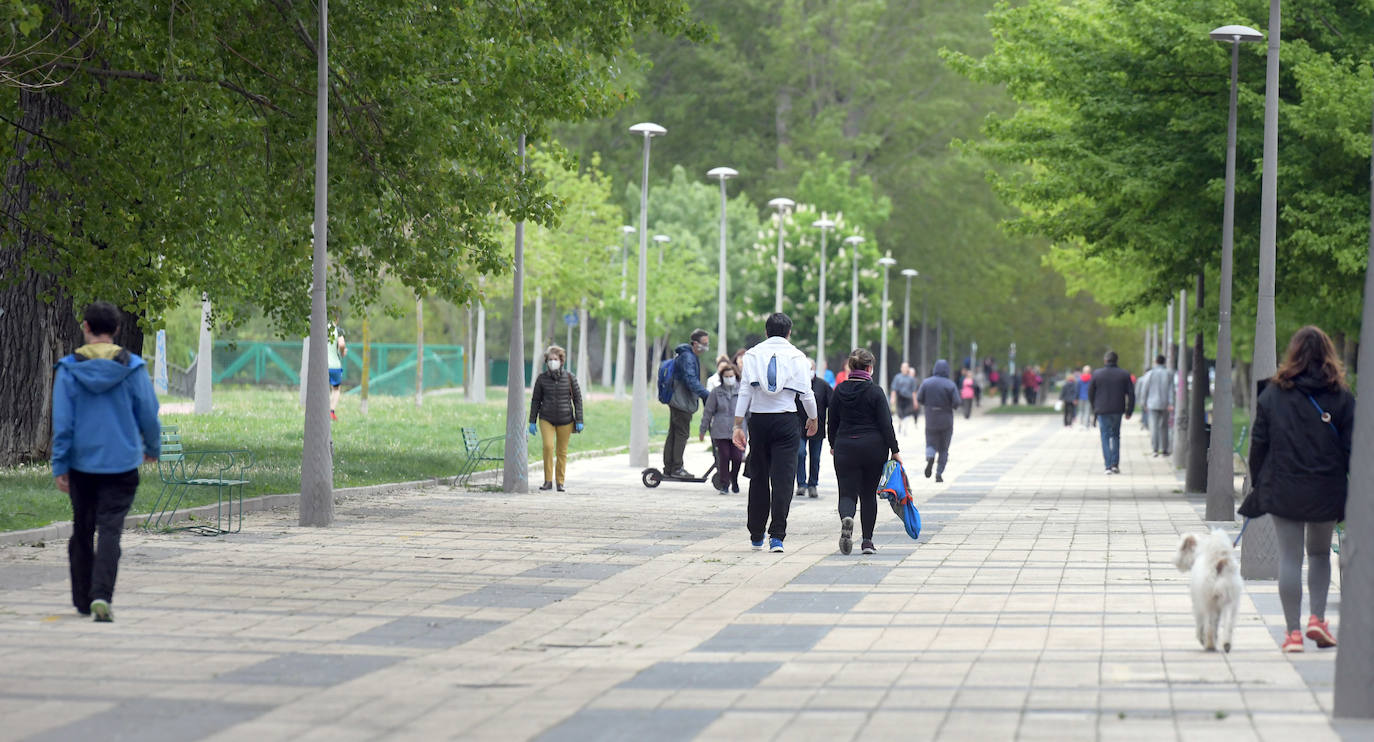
{"x": 1140, "y": 395}
{"x": 861, "y": 442}
{"x": 938, "y": 396}
{"x": 336, "y": 350}
{"x": 809, "y": 477}
{"x": 713, "y": 380}
{"x": 1158, "y": 402}
{"x": 774, "y": 379}
{"x": 1113, "y": 396}
{"x": 1300, "y": 465}
{"x": 556, "y": 411}
{"x": 968, "y": 390}
{"x": 688, "y": 393}
{"x": 717, "y": 419}
{"x": 1084, "y": 405}
{"x": 1068, "y": 394}
{"x": 104, "y": 424}
{"x": 903, "y": 395}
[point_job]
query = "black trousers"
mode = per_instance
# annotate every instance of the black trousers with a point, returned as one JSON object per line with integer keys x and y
{"x": 773, "y": 441}
{"x": 1070, "y": 409}
{"x": 859, "y": 465}
{"x": 99, "y": 503}
{"x": 679, "y": 430}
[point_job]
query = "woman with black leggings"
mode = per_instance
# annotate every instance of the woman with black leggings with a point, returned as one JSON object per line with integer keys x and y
{"x": 1299, "y": 463}
{"x": 859, "y": 427}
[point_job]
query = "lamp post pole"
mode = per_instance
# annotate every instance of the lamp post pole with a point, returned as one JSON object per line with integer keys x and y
{"x": 925, "y": 330}
{"x": 886, "y": 262}
{"x": 1221, "y": 504}
{"x": 825, "y": 225}
{"x": 606, "y": 355}
{"x": 782, "y": 205}
{"x": 639, "y": 406}
{"x": 620, "y": 361}
{"x": 722, "y": 174}
{"x": 515, "y": 468}
{"x": 854, "y": 241}
{"x": 909, "y": 273}
{"x": 317, "y": 463}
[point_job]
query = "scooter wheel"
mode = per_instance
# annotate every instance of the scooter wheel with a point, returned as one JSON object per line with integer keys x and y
{"x": 651, "y": 478}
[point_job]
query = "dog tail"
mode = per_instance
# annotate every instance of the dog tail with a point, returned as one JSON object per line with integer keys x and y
{"x": 1225, "y": 564}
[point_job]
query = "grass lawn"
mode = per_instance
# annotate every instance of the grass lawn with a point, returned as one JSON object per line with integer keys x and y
{"x": 395, "y": 443}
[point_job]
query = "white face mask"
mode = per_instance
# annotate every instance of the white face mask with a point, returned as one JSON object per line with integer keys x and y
{"x": 728, "y": 381}
{"x": 554, "y": 363}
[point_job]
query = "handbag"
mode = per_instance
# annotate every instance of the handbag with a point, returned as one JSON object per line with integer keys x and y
{"x": 1250, "y": 507}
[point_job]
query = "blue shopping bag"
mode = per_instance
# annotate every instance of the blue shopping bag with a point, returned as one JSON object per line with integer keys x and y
{"x": 894, "y": 487}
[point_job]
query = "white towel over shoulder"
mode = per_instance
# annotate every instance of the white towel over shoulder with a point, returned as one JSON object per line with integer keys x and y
{"x": 775, "y": 374}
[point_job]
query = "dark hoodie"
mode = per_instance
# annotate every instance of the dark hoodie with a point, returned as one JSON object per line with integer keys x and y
{"x": 104, "y": 412}
{"x": 938, "y": 396}
{"x": 1300, "y": 465}
{"x": 858, "y": 408}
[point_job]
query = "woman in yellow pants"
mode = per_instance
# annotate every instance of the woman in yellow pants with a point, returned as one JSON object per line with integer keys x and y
{"x": 556, "y": 410}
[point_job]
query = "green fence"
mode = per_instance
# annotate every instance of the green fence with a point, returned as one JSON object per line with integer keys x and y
{"x": 393, "y": 365}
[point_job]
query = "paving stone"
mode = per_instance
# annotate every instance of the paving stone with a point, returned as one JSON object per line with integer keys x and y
{"x": 513, "y": 596}
{"x": 794, "y": 601}
{"x": 634, "y": 725}
{"x": 576, "y": 570}
{"x": 715, "y": 675}
{"x": 858, "y": 574}
{"x": 299, "y": 668}
{"x": 764, "y": 638}
{"x": 154, "y": 720}
{"x": 426, "y": 632}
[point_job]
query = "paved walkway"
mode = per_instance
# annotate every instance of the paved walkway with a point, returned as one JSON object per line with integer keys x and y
{"x": 1039, "y": 603}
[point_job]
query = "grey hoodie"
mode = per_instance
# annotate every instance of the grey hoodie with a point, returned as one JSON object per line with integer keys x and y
{"x": 938, "y": 396}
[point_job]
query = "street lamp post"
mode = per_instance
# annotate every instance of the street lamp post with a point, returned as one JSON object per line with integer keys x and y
{"x": 620, "y": 364}
{"x": 317, "y": 458}
{"x": 825, "y": 225}
{"x": 722, "y": 174}
{"x": 782, "y": 205}
{"x": 659, "y": 341}
{"x": 909, "y": 273}
{"x": 886, "y": 262}
{"x": 606, "y": 329}
{"x": 925, "y": 328}
{"x": 1221, "y": 503}
{"x": 661, "y": 239}
{"x": 639, "y": 406}
{"x": 854, "y": 241}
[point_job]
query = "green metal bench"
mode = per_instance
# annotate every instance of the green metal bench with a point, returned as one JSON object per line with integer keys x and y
{"x": 226, "y": 471}
{"x": 478, "y": 450}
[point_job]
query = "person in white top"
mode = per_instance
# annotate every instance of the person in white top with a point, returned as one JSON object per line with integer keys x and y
{"x": 775, "y": 387}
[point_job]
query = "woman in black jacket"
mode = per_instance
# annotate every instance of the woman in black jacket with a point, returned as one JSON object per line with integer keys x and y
{"x": 859, "y": 427}
{"x": 557, "y": 406}
{"x": 1299, "y": 463}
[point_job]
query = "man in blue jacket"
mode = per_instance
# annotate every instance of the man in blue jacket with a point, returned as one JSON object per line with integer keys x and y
{"x": 104, "y": 423}
{"x": 939, "y": 396}
{"x": 688, "y": 394}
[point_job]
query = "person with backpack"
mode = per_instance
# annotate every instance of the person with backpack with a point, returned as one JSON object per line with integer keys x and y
{"x": 1300, "y": 465}
{"x": 1113, "y": 396}
{"x": 718, "y": 419}
{"x": 556, "y": 411}
{"x": 104, "y": 424}
{"x": 680, "y": 387}
{"x": 967, "y": 393}
{"x": 938, "y": 396}
{"x": 776, "y": 376}
{"x": 861, "y": 438}
{"x": 809, "y": 477}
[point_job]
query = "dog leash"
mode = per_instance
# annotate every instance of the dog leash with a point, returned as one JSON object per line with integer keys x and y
{"x": 1236, "y": 543}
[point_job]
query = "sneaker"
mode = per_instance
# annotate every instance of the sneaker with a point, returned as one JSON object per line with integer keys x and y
{"x": 1319, "y": 632}
{"x": 546, "y": 486}
{"x": 1116, "y": 469}
{"x": 1294, "y": 642}
{"x": 734, "y": 487}
{"x": 560, "y": 488}
{"x": 801, "y": 491}
{"x": 775, "y": 545}
{"x": 846, "y": 535}
{"x": 868, "y": 547}
{"x": 930, "y": 466}
{"x": 101, "y": 610}
{"x": 332, "y": 416}
{"x": 1107, "y": 471}
{"x": 681, "y": 473}
{"x": 939, "y": 478}
{"x": 812, "y": 493}
{"x": 756, "y": 544}
{"x": 722, "y": 492}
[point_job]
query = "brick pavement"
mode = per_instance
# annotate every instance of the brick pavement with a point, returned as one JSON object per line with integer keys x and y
{"x": 1039, "y": 603}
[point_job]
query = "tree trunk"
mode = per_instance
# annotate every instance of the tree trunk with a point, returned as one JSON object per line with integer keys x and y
{"x": 37, "y": 331}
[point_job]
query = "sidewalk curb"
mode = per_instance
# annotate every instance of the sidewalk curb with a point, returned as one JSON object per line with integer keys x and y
{"x": 63, "y": 529}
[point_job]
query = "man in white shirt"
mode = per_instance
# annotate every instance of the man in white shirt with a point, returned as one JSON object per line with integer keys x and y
{"x": 775, "y": 381}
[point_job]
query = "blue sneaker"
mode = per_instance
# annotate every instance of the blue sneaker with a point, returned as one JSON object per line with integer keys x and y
{"x": 758, "y": 545}
{"x": 775, "y": 545}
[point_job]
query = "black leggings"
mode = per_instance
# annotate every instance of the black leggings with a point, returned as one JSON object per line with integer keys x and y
{"x": 858, "y": 467}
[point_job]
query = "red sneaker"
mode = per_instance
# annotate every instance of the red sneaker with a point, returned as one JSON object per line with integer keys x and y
{"x": 332, "y": 416}
{"x": 1320, "y": 632}
{"x": 1294, "y": 642}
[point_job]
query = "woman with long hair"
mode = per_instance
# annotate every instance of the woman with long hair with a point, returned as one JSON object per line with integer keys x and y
{"x": 556, "y": 412}
{"x": 859, "y": 427}
{"x": 1299, "y": 464}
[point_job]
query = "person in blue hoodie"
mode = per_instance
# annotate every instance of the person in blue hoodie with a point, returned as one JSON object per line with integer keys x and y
{"x": 104, "y": 424}
{"x": 939, "y": 396}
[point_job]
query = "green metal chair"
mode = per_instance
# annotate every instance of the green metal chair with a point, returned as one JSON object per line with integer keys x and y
{"x": 180, "y": 470}
{"x": 478, "y": 450}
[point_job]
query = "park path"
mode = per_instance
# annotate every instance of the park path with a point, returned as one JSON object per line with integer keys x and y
{"x": 1039, "y": 603}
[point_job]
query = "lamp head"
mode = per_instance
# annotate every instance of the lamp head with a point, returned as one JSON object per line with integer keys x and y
{"x": 627, "y": 229}
{"x": 662, "y": 238}
{"x": 824, "y": 223}
{"x": 1236, "y": 34}
{"x": 910, "y": 272}
{"x": 648, "y": 129}
{"x": 854, "y": 239}
{"x": 781, "y": 203}
{"x": 886, "y": 261}
{"x": 722, "y": 173}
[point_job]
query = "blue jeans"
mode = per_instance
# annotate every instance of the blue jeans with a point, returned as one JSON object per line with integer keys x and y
{"x": 1110, "y": 427}
{"x": 814, "y": 445}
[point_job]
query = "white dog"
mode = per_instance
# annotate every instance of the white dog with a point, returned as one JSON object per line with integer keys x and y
{"x": 1216, "y": 585}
